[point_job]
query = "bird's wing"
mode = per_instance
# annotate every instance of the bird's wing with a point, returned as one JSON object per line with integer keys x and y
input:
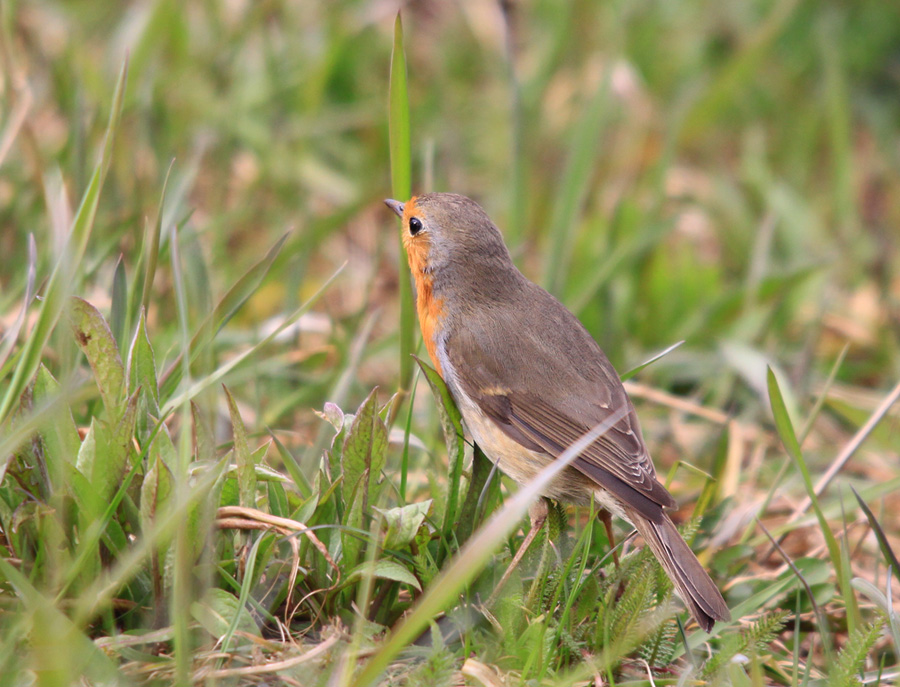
{"x": 551, "y": 387}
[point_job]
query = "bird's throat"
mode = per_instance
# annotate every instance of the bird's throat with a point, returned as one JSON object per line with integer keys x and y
{"x": 429, "y": 308}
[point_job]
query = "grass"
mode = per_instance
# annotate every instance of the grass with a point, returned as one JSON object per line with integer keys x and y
{"x": 219, "y": 461}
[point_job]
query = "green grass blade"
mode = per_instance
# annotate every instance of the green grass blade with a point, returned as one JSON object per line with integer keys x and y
{"x": 196, "y": 387}
{"x": 225, "y": 309}
{"x": 738, "y": 73}
{"x": 119, "y": 308}
{"x": 468, "y": 514}
{"x": 11, "y": 336}
{"x": 401, "y": 189}
{"x": 180, "y": 597}
{"x": 574, "y": 185}
{"x": 820, "y": 401}
{"x": 64, "y": 274}
{"x": 789, "y": 438}
{"x": 290, "y": 464}
{"x": 404, "y": 457}
{"x": 883, "y": 542}
{"x": 246, "y": 468}
{"x": 451, "y": 422}
{"x": 633, "y": 371}
{"x": 151, "y": 256}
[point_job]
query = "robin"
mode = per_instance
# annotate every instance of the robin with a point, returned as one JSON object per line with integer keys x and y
{"x": 529, "y": 381}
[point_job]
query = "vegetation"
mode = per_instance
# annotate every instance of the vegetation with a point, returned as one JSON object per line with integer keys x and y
{"x": 220, "y": 461}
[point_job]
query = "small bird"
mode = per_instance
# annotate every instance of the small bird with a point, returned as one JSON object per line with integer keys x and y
{"x": 529, "y": 381}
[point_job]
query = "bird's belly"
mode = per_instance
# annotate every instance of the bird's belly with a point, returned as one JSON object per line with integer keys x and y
{"x": 520, "y": 463}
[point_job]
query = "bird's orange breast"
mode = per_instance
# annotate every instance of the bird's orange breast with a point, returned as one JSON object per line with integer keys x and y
{"x": 431, "y": 314}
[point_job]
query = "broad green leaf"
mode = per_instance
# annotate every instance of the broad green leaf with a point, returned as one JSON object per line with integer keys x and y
{"x": 386, "y": 570}
{"x": 158, "y": 481}
{"x": 103, "y": 457}
{"x": 365, "y": 450}
{"x": 218, "y": 612}
{"x": 278, "y": 501}
{"x": 403, "y": 523}
{"x": 84, "y": 461}
{"x": 89, "y": 507}
{"x": 142, "y": 366}
{"x": 336, "y": 452}
{"x": 122, "y": 442}
{"x": 246, "y": 468}
{"x": 351, "y": 541}
{"x": 156, "y": 490}
{"x": 56, "y": 645}
{"x": 201, "y": 516}
{"x": 426, "y": 566}
{"x": 307, "y": 508}
{"x": 95, "y": 339}
{"x": 263, "y": 472}
{"x": 334, "y": 415}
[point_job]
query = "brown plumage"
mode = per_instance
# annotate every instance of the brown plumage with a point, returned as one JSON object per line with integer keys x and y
{"x": 529, "y": 380}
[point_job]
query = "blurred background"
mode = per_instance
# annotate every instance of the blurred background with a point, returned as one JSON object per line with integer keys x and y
{"x": 724, "y": 173}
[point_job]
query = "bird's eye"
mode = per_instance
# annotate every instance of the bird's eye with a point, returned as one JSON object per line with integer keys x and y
{"x": 415, "y": 225}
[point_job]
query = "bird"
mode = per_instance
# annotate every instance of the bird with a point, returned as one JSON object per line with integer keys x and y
{"x": 529, "y": 380}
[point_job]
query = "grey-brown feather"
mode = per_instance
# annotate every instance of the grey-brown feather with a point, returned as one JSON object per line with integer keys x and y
{"x": 578, "y": 389}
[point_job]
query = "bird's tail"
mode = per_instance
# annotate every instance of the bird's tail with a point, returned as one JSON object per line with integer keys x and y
{"x": 693, "y": 584}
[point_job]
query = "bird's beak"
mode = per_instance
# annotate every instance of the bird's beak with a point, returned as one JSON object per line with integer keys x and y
{"x": 395, "y": 205}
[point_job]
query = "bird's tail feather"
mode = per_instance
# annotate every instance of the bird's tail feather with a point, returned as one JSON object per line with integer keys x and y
{"x": 692, "y": 582}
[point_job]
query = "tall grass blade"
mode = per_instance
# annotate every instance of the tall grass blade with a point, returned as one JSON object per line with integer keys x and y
{"x": 196, "y": 387}
{"x": 225, "y": 309}
{"x": 12, "y": 334}
{"x": 151, "y": 247}
{"x": 789, "y": 440}
{"x": 451, "y": 422}
{"x": 574, "y": 185}
{"x": 738, "y": 72}
{"x": 119, "y": 307}
{"x": 62, "y": 281}
{"x": 633, "y": 371}
{"x": 401, "y": 189}
{"x": 883, "y": 542}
